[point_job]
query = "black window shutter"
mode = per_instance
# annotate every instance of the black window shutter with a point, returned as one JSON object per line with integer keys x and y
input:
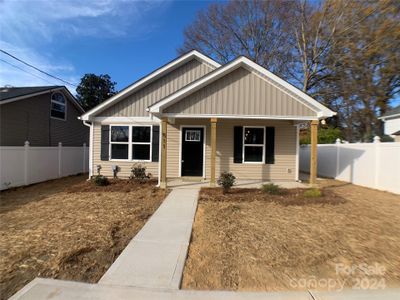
{"x": 105, "y": 141}
{"x": 270, "y": 145}
{"x": 238, "y": 144}
{"x": 155, "y": 143}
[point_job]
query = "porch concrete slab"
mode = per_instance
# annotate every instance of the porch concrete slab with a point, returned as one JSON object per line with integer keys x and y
{"x": 156, "y": 256}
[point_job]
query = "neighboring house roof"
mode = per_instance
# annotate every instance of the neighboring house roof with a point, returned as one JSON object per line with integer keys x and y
{"x": 320, "y": 110}
{"x": 396, "y": 133}
{"x": 11, "y": 94}
{"x": 394, "y": 112}
{"x": 142, "y": 82}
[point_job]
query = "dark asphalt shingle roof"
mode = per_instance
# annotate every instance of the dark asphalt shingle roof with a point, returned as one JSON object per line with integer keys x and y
{"x": 393, "y": 111}
{"x": 12, "y": 92}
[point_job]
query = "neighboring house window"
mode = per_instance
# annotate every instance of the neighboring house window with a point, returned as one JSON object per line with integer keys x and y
{"x": 58, "y": 106}
{"x": 130, "y": 143}
{"x": 253, "y": 144}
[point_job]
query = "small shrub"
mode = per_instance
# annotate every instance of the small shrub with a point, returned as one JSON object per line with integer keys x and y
{"x": 226, "y": 180}
{"x": 100, "y": 180}
{"x": 272, "y": 189}
{"x": 313, "y": 193}
{"x": 138, "y": 172}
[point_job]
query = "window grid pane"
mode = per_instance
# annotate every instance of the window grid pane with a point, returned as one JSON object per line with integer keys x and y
{"x": 141, "y": 134}
{"x": 119, "y": 151}
{"x": 119, "y": 133}
{"x": 253, "y": 153}
{"x": 140, "y": 152}
{"x": 253, "y": 136}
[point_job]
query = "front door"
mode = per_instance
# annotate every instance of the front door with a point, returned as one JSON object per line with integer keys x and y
{"x": 192, "y": 151}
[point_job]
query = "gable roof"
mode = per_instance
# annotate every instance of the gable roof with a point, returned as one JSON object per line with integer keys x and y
{"x": 167, "y": 68}
{"x": 7, "y": 93}
{"x": 11, "y": 94}
{"x": 320, "y": 110}
{"x": 394, "y": 112}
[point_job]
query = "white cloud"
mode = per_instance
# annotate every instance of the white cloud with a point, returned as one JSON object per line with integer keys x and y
{"x": 28, "y": 25}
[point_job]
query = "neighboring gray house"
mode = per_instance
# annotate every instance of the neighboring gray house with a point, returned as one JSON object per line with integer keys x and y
{"x": 195, "y": 118}
{"x": 392, "y": 123}
{"x": 42, "y": 115}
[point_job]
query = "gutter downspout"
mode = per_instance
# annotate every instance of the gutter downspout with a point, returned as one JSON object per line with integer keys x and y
{"x": 90, "y": 125}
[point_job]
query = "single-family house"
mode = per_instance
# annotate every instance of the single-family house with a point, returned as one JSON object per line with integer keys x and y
{"x": 196, "y": 118}
{"x": 391, "y": 124}
{"x": 42, "y": 115}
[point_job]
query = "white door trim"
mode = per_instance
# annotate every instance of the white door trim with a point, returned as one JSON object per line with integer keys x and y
{"x": 204, "y": 146}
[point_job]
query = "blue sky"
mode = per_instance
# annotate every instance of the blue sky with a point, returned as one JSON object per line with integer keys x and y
{"x": 125, "y": 39}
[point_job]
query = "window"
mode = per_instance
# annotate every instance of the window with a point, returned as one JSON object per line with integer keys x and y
{"x": 253, "y": 144}
{"x": 192, "y": 136}
{"x": 119, "y": 142}
{"x": 58, "y": 106}
{"x": 131, "y": 143}
{"x": 141, "y": 142}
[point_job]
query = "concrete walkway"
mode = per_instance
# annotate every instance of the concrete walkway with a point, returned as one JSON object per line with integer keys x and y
{"x": 67, "y": 290}
{"x": 156, "y": 255}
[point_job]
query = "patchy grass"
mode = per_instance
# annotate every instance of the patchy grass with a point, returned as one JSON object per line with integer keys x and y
{"x": 69, "y": 228}
{"x": 250, "y": 240}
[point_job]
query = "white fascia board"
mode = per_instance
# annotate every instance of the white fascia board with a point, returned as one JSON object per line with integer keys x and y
{"x": 127, "y": 120}
{"x": 152, "y": 76}
{"x": 257, "y": 117}
{"x": 389, "y": 117}
{"x": 322, "y": 112}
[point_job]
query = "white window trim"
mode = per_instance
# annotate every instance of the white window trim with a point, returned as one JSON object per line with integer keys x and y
{"x": 130, "y": 143}
{"x": 60, "y": 103}
{"x": 253, "y": 145}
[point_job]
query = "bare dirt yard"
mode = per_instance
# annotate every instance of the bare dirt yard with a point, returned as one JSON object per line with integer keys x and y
{"x": 249, "y": 240}
{"x": 69, "y": 228}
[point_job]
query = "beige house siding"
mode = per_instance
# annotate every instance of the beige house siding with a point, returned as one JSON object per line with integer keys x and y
{"x": 241, "y": 92}
{"x": 285, "y": 151}
{"x": 29, "y": 120}
{"x": 125, "y": 166}
{"x": 136, "y": 103}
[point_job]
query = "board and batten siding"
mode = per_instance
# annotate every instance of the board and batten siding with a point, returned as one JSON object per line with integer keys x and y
{"x": 136, "y": 103}
{"x": 283, "y": 169}
{"x": 241, "y": 92}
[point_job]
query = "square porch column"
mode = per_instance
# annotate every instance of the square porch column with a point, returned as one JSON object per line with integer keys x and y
{"x": 313, "y": 152}
{"x": 163, "y": 169}
{"x": 213, "y": 150}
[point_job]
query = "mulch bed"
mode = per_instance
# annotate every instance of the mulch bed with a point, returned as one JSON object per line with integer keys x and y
{"x": 69, "y": 228}
{"x": 249, "y": 240}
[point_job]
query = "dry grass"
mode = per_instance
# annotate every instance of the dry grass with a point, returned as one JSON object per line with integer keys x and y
{"x": 69, "y": 228}
{"x": 248, "y": 240}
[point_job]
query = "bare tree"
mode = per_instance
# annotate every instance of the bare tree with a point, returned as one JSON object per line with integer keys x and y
{"x": 256, "y": 29}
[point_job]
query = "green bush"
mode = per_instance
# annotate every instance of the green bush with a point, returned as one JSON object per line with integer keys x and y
{"x": 226, "y": 180}
{"x": 272, "y": 189}
{"x": 313, "y": 193}
{"x": 100, "y": 180}
{"x": 138, "y": 172}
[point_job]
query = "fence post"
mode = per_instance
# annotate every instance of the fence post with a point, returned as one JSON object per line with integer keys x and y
{"x": 377, "y": 144}
{"x": 84, "y": 158}
{"x": 26, "y": 163}
{"x": 59, "y": 159}
{"x": 338, "y": 142}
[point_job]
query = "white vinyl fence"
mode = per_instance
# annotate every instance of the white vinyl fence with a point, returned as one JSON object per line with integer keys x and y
{"x": 375, "y": 165}
{"x": 26, "y": 165}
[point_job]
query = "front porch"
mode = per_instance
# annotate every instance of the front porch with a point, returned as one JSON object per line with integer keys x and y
{"x": 277, "y": 161}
